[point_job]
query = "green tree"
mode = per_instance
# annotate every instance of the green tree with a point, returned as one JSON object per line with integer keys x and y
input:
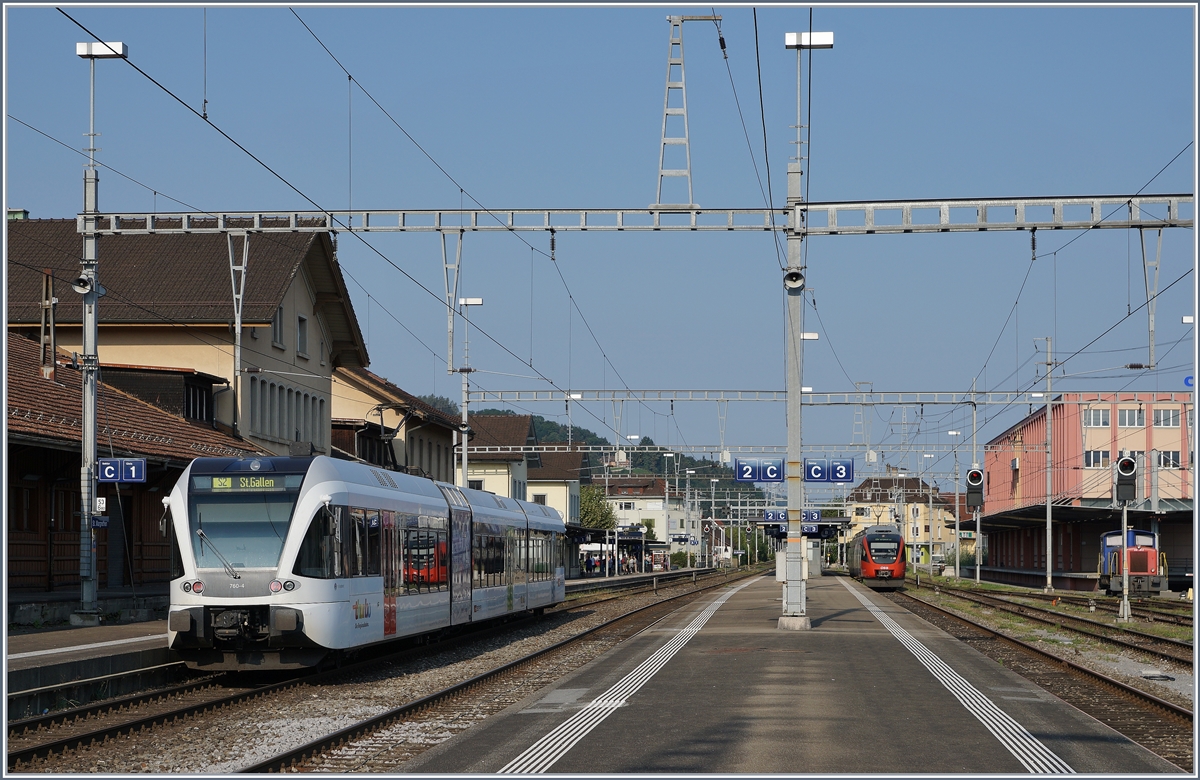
{"x": 650, "y": 535}
{"x": 442, "y": 404}
{"x": 594, "y": 510}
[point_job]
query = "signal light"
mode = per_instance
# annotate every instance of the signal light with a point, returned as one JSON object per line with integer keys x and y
{"x": 197, "y": 586}
{"x": 1126, "y": 479}
{"x": 975, "y": 487}
{"x": 276, "y": 586}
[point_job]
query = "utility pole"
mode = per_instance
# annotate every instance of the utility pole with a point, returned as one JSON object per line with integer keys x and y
{"x": 795, "y": 615}
{"x": 88, "y": 285}
{"x": 1049, "y": 588}
{"x": 464, "y": 306}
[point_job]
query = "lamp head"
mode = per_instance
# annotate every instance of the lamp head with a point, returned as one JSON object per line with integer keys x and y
{"x": 793, "y": 279}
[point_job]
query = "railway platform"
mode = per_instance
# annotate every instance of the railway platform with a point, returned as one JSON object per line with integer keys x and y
{"x": 717, "y": 687}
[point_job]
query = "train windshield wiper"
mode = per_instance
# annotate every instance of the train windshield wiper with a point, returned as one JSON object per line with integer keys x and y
{"x": 232, "y": 572}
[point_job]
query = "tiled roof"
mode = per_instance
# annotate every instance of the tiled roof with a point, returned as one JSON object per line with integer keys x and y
{"x": 52, "y": 411}
{"x": 648, "y": 486}
{"x": 501, "y": 430}
{"x": 389, "y": 391}
{"x": 878, "y": 490}
{"x": 181, "y": 278}
{"x": 561, "y": 466}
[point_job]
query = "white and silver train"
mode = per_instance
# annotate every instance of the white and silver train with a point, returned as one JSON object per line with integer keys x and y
{"x": 284, "y": 563}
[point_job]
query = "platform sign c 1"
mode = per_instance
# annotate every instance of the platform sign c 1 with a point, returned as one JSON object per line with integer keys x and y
{"x": 121, "y": 470}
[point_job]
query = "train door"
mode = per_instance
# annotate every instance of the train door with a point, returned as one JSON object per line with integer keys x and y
{"x": 460, "y": 555}
{"x": 392, "y": 571}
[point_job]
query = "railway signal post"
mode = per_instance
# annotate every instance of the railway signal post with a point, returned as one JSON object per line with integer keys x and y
{"x": 1125, "y": 491}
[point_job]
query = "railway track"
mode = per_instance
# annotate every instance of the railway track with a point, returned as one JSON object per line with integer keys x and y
{"x": 582, "y": 594}
{"x": 1110, "y": 604}
{"x": 34, "y": 741}
{"x": 1162, "y": 648}
{"x": 1158, "y": 725}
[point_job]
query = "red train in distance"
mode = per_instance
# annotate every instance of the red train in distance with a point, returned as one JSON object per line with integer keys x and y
{"x": 876, "y": 556}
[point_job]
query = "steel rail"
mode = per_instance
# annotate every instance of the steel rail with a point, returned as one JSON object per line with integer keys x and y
{"x": 1082, "y": 671}
{"x": 28, "y": 754}
{"x": 1165, "y": 616}
{"x": 1057, "y": 619}
{"x": 25, "y": 725}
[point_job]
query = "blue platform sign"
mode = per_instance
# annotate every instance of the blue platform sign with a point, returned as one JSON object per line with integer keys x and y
{"x": 810, "y": 516}
{"x": 841, "y": 470}
{"x": 746, "y": 469}
{"x": 775, "y": 515}
{"x": 1189, "y": 381}
{"x": 816, "y": 470}
{"x": 809, "y": 530}
{"x": 758, "y": 469}
{"x": 121, "y": 470}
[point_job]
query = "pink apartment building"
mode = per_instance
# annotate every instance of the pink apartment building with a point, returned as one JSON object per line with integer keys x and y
{"x": 1091, "y": 431}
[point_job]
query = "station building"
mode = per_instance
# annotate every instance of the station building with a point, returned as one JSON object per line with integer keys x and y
{"x": 167, "y": 322}
{"x": 44, "y": 457}
{"x": 377, "y": 422}
{"x": 1091, "y": 431}
{"x": 502, "y": 467}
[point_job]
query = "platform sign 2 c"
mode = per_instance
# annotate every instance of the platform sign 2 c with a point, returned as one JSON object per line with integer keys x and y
{"x": 121, "y": 470}
{"x": 758, "y": 469}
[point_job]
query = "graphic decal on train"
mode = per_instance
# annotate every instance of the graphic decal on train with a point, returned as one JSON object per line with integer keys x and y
{"x": 362, "y": 610}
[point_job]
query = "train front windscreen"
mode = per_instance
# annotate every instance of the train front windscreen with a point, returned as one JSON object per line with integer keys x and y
{"x": 241, "y": 520}
{"x": 885, "y": 548}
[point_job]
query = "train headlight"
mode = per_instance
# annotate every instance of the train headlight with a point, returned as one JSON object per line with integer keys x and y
{"x": 197, "y": 586}
{"x": 187, "y": 587}
{"x": 289, "y": 586}
{"x": 276, "y": 586}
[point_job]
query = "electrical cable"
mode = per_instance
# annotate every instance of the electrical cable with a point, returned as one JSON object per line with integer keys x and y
{"x": 463, "y": 191}
{"x": 319, "y": 208}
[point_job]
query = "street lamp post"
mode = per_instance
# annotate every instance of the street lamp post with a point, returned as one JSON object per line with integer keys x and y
{"x": 88, "y": 285}
{"x": 712, "y": 512}
{"x": 464, "y": 304}
{"x": 929, "y": 489}
{"x": 957, "y": 510}
{"x": 795, "y": 614}
{"x": 687, "y": 511}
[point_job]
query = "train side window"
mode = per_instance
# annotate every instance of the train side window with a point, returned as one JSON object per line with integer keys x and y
{"x": 862, "y": 553}
{"x": 320, "y": 552}
{"x": 374, "y": 539}
{"x": 176, "y": 556}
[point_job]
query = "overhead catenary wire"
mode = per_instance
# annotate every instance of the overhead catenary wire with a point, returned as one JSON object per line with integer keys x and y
{"x": 316, "y": 205}
{"x": 464, "y": 191}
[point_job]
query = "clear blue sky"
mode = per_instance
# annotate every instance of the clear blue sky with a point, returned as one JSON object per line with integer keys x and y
{"x": 562, "y": 107}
